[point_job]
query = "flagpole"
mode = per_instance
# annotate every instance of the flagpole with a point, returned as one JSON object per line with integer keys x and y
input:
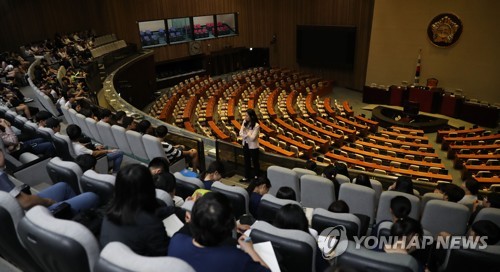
{"x": 417, "y": 71}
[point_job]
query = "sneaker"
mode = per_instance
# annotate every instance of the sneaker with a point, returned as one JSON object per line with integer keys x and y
{"x": 27, "y": 100}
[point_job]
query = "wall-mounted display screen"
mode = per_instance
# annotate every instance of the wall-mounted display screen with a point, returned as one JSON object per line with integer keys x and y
{"x": 152, "y": 33}
{"x": 179, "y": 30}
{"x": 203, "y": 27}
{"x": 226, "y": 24}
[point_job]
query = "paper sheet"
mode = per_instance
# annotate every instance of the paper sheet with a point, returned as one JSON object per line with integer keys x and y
{"x": 266, "y": 253}
{"x": 172, "y": 225}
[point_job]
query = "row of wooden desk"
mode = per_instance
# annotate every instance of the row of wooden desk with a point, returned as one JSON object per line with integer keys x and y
{"x": 369, "y": 166}
{"x": 390, "y": 158}
{"x": 460, "y": 132}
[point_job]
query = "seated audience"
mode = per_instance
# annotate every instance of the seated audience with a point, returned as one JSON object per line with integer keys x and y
{"x": 128, "y": 123}
{"x": 330, "y": 172}
{"x": 400, "y": 209}
{"x": 131, "y": 217}
{"x": 453, "y": 193}
{"x": 212, "y": 222}
{"x": 342, "y": 169}
{"x": 159, "y": 165}
{"x": 339, "y": 206}
{"x": 286, "y": 192}
{"x": 486, "y": 228}
{"x": 115, "y": 156}
{"x": 118, "y": 117}
{"x": 215, "y": 172}
{"x": 50, "y": 197}
{"x": 363, "y": 180}
{"x": 144, "y": 127}
{"x": 292, "y": 216}
{"x": 492, "y": 200}
{"x": 406, "y": 230}
{"x": 176, "y": 152}
{"x": 15, "y": 147}
{"x": 311, "y": 165}
{"x": 256, "y": 189}
{"x": 403, "y": 184}
{"x": 166, "y": 182}
{"x": 86, "y": 162}
{"x": 471, "y": 188}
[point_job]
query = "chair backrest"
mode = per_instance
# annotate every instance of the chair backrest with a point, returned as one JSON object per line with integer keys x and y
{"x": 56, "y": 244}
{"x": 121, "y": 138}
{"x": 429, "y": 196}
{"x": 342, "y": 179}
{"x": 101, "y": 184}
{"x": 43, "y": 132}
{"x": 296, "y": 248}
{"x": 384, "y": 205}
{"x": 360, "y": 199}
{"x": 362, "y": 259}
{"x": 316, "y": 191}
{"x": 281, "y": 176}
{"x": 492, "y": 214}
{"x": 376, "y": 185}
{"x": 153, "y": 147}
{"x": 67, "y": 115}
{"x": 134, "y": 139}
{"x": 322, "y": 219}
{"x": 164, "y": 197}
{"x": 94, "y": 133}
{"x": 269, "y": 206}
{"x": 106, "y": 135}
{"x": 65, "y": 171}
{"x": 440, "y": 215}
{"x": 237, "y": 195}
{"x": 10, "y": 246}
{"x": 185, "y": 186}
{"x": 116, "y": 256}
{"x": 302, "y": 171}
{"x": 80, "y": 121}
{"x": 64, "y": 147}
{"x": 461, "y": 259}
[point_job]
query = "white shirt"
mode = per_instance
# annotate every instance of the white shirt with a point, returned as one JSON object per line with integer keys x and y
{"x": 81, "y": 149}
{"x": 250, "y": 136}
{"x": 468, "y": 199}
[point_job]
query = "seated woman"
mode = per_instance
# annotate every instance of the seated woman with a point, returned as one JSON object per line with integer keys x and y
{"x": 257, "y": 188}
{"x": 363, "y": 180}
{"x": 286, "y": 192}
{"x": 292, "y": 216}
{"x": 131, "y": 217}
{"x": 403, "y": 184}
{"x": 408, "y": 234}
{"x": 212, "y": 222}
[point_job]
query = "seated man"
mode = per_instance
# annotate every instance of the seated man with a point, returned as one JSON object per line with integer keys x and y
{"x": 15, "y": 147}
{"x": 75, "y": 132}
{"x": 50, "y": 197}
{"x": 176, "y": 152}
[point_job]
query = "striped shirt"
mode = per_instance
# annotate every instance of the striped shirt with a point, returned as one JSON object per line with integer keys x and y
{"x": 171, "y": 151}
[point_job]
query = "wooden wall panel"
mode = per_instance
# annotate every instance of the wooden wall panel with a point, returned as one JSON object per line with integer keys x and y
{"x": 258, "y": 21}
{"x": 24, "y": 21}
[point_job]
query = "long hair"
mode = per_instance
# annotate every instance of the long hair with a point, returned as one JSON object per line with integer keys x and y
{"x": 257, "y": 182}
{"x": 291, "y": 216}
{"x": 253, "y": 119}
{"x": 134, "y": 192}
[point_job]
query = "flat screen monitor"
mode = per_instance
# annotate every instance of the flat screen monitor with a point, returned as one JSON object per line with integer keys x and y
{"x": 226, "y": 24}
{"x": 152, "y": 33}
{"x": 203, "y": 27}
{"x": 326, "y": 46}
{"x": 179, "y": 30}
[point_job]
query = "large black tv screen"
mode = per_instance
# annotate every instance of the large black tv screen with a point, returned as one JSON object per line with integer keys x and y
{"x": 326, "y": 46}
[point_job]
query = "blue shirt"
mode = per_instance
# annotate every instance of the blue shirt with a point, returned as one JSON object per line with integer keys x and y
{"x": 6, "y": 184}
{"x": 254, "y": 203}
{"x": 211, "y": 259}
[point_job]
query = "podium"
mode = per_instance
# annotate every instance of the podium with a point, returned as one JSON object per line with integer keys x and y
{"x": 397, "y": 95}
{"x": 429, "y": 99}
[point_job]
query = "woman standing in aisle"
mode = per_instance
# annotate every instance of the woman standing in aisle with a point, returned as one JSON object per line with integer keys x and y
{"x": 249, "y": 133}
